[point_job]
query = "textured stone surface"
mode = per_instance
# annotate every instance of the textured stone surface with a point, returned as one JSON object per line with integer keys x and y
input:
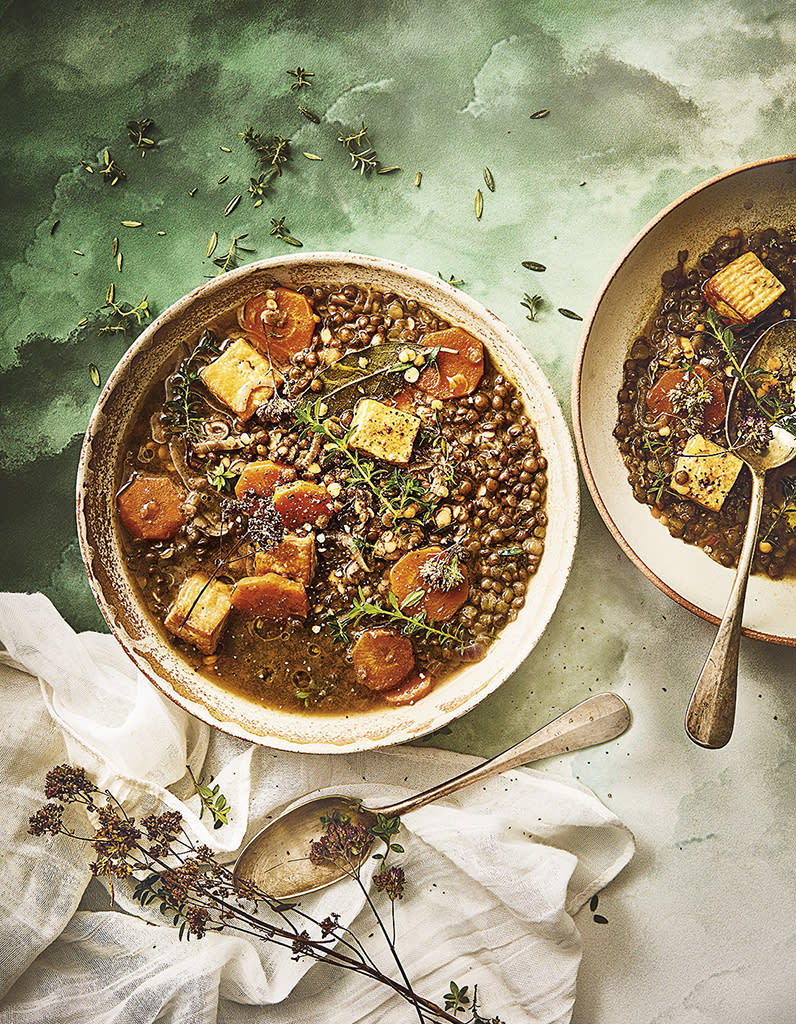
{"x": 645, "y": 101}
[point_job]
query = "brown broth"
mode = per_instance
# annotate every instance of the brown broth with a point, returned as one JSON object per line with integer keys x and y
{"x": 478, "y": 457}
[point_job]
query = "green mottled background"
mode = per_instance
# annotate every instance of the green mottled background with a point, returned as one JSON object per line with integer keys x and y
{"x": 646, "y": 99}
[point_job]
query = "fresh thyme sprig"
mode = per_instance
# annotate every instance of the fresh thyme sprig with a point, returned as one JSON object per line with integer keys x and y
{"x": 270, "y": 149}
{"x": 212, "y": 800}
{"x": 787, "y": 510}
{"x": 395, "y": 490}
{"x": 232, "y": 258}
{"x": 411, "y": 625}
{"x": 219, "y": 477}
{"x": 185, "y": 404}
{"x": 122, "y": 317}
{"x": 259, "y": 186}
{"x": 772, "y": 397}
{"x": 363, "y": 155}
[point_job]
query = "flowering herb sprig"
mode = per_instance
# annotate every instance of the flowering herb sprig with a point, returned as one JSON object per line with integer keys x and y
{"x": 212, "y": 800}
{"x": 198, "y": 894}
{"x": 398, "y": 614}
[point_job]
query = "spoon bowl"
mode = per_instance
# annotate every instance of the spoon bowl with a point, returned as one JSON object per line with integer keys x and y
{"x": 710, "y": 715}
{"x": 276, "y": 859}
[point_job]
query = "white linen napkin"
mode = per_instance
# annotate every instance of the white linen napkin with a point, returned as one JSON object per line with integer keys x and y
{"x": 494, "y": 872}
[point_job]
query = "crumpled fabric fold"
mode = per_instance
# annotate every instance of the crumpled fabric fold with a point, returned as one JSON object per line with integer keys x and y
{"x": 494, "y": 873}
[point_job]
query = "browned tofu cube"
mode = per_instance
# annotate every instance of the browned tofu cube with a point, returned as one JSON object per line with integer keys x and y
{"x": 705, "y": 472}
{"x": 200, "y": 611}
{"x": 742, "y": 289}
{"x": 270, "y": 597}
{"x": 383, "y": 432}
{"x": 294, "y": 558}
{"x": 241, "y": 378}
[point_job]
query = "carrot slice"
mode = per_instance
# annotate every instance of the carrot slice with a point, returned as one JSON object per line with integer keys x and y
{"x": 659, "y": 399}
{"x": 405, "y": 579}
{"x": 260, "y": 476}
{"x": 270, "y": 597}
{"x": 151, "y": 508}
{"x": 417, "y": 685}
{"x": 382, "y": 658}
{"x": 292, "y": 327}
{"x": 302, "y": 502}
{"x": 458, "y": 368}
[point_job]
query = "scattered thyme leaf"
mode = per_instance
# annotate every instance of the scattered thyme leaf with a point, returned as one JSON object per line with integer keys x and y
{"x": 111, "y": 171}
{"x": 301, "y": 78}
{"x": 140, "y": 133}
{"x": 568, "y": 313}
{"x": 279, "y": 229}
{"x": 533, "y": 265}
{"x": 270, "y": 149}
{"x": 309, "y": 115}
{"x": 533, "y": 303}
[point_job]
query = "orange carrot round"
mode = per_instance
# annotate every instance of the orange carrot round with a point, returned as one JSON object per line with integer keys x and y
{"x": 459, "y": 364}
{"x": 151, "y": 508}
{"x": 659, "y": 398}
{"x": 417, "y": 685}
{"x": 382, "y": 658}
{"x": 406, "y": 579}
{"x": 282, "y": 331}
{"x": 260, "y": 476}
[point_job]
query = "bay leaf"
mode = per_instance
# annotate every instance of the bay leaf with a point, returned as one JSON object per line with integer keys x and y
{"x": 347, "y": 380}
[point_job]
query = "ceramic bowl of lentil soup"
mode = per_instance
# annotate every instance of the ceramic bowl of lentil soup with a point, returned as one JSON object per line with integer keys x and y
{"x": 664, "y": 339}
{"x": 327, "y": 502}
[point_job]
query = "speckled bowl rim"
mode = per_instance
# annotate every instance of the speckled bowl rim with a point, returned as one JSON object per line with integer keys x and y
{"x": 576, "y": 388}
{"x": 401, "y": 724}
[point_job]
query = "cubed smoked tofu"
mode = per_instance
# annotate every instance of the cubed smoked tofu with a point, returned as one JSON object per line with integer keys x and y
{"x": 709, "y": 470}
{"x": 383, "y": 432}
{"x": 241, "y": 378}
{"x": 200, "y": 611}
{"x": 270, "y": 597}
{"x": 294, "y": 558}
{"x": 742, "y": 289}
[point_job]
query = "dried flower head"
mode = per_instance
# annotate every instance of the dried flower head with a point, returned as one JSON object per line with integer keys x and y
{"x": 162, "y": 827}
{"x": 265, "y": 528}
{"x": 443, "y": 570}
{"x": 755, "y": 432}
{"x": 68, "y": 784}
{"x": 391, "y": 881}
{"x": 343, "y": 843}
{"x": 46, "y": 821}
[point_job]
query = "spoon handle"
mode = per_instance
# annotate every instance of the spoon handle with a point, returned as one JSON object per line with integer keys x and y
{"x": 710, "y": 715}
{"x": 597, "y": 719}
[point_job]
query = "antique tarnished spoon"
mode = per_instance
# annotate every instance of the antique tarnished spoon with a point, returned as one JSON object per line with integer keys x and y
{"x": 710, "y": 714}
{"x": 276, "y": 860}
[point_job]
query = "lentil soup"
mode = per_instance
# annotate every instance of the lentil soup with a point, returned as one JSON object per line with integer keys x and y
{"x": 333, "y": 501}
{"x": 672, "y": 403}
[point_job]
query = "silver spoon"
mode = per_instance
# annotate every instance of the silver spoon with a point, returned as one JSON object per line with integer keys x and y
{"x": 710, "y": 714}
{"x": 276, "y": 860}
